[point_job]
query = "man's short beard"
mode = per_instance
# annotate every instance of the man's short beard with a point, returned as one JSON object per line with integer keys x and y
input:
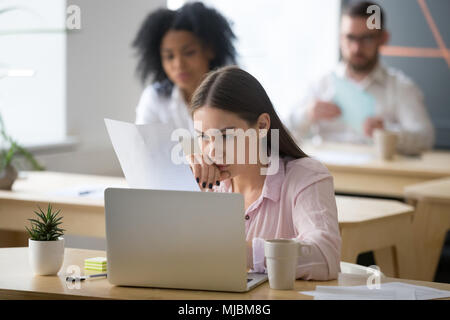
{"x": 366, "y": 67}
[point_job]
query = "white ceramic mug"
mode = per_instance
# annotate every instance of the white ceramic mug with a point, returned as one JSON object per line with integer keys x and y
{"x": 281, "y": 260}
{"x": 385, "y": 144}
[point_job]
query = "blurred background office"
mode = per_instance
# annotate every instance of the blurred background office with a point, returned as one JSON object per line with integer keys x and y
{"x": 82, "y": 76}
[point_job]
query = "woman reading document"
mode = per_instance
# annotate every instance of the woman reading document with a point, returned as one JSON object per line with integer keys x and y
{"x": 286, "y": 193}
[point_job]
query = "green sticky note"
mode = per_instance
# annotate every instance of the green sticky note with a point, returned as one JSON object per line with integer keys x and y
{"x": 96, "y": 260}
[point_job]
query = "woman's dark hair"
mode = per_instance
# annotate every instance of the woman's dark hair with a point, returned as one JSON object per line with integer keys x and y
{"x": 206, "y": 23}
{"x": 235, "y": 90}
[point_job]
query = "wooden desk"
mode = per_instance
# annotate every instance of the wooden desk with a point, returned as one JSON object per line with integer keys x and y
{"x": 361, "y": 220}
{"x": 40, "y": 188}
{"x": 431, "y": 222}
{"x": 381, "y": 226}
{"x": 18, "y": 282}
{"x": 377, "y": 177}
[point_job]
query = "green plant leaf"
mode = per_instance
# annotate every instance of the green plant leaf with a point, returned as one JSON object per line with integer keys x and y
{"x": 35, "y": 221}
{"x": 45, "y": 227}
{"x": 41, "y": 215}
{"x": 4, "y": 10}
{"x": 15, "y": 149}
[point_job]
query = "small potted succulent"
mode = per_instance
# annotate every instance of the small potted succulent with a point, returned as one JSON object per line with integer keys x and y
{"x": 46, "y": 244}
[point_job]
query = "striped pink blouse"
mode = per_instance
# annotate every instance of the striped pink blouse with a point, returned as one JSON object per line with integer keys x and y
{"x": 296, "y": 202}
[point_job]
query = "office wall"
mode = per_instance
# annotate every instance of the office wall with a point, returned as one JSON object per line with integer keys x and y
{"x": 410, "y": 29}
{"x": 414, "y": 49}
{"x": 101, "y": 82}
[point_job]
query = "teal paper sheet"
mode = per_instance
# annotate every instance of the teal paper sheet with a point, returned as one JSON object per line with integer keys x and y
{"x": 356, "y": 105}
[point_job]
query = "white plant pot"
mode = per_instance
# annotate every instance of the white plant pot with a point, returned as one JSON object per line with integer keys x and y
{"x": 46, "y": 257}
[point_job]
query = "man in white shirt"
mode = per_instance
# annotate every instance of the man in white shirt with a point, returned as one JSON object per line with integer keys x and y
{"x": 399, "y": 103}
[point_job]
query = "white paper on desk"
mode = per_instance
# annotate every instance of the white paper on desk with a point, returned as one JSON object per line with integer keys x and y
{"x": 342, "y": 158}
{"x": 387, "y": 291}
{"x": 144, "y": 153}
{"x": 85, "y": 191}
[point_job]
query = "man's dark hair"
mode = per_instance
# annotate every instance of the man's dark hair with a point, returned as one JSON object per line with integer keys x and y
{"x": 359, "y": 9}
{"x": 206, "y": 23}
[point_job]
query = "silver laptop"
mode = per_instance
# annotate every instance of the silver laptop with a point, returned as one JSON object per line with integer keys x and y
{"x": 177, "y": 239}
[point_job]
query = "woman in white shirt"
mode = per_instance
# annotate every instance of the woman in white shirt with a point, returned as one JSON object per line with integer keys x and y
{"x": 176, "y": 49}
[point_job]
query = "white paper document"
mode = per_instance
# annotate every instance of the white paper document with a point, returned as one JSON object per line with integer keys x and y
{"x": 146, "y": 154}
{"x": 341, "y": 157}
{"x": 387, "y": 291}
{"x": 84, "y": 191}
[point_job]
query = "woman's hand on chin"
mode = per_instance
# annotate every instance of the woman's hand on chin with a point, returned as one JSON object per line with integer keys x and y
{"x": 206, "y": 173}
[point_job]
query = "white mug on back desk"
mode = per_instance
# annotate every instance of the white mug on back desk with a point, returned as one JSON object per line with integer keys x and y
{"x": 385, "y": 144}
{"x": 281, "y": 259}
